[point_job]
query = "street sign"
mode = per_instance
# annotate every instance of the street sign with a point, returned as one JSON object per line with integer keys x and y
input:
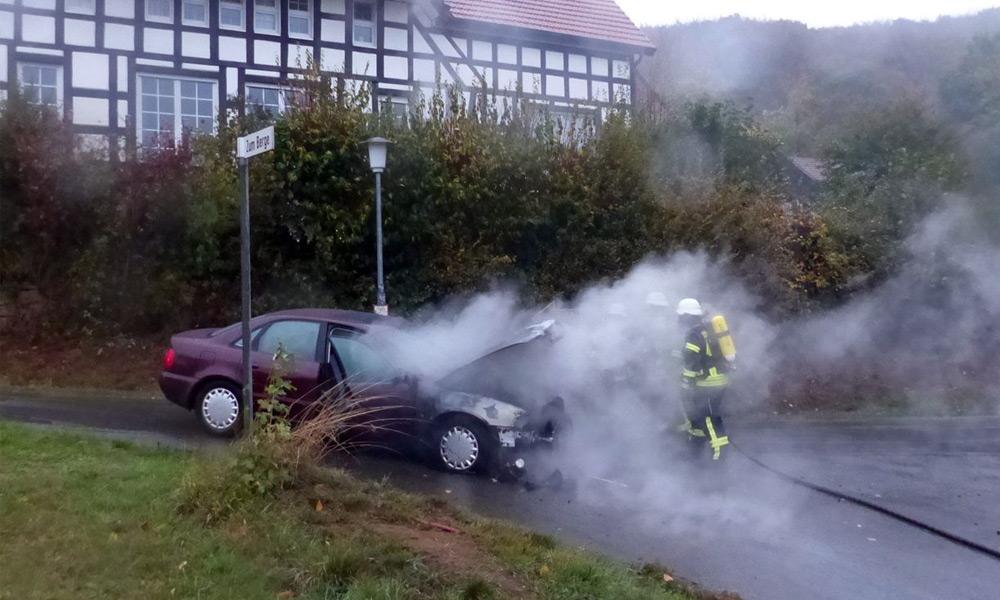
{"x": 248, "y": 146}
{"x": 255, "y": 143}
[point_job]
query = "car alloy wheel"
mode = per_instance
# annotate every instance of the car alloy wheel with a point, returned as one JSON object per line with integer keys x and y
{"x": 459, "y": 448}
{"x": 220, "y": 408}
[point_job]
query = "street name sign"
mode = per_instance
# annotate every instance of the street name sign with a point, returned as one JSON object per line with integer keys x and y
{"x": 255, "y": 143}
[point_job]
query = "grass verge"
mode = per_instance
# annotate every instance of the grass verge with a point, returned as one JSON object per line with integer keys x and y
{"x": 89, "y": 518}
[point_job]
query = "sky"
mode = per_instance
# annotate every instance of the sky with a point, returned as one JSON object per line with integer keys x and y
{"x": 814, "y": 14}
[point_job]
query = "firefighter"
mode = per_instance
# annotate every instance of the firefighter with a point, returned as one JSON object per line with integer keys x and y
{"x": 704, "y": 378}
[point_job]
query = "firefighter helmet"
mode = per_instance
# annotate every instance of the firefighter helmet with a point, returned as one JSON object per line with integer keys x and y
{"x": 690, "y": 306}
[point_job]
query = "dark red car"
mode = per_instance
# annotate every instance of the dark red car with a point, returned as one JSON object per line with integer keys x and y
{"x": 470, "y": 420}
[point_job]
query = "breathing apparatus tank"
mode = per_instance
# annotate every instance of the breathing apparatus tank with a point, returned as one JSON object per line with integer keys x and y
{"x": 726, "y": 344}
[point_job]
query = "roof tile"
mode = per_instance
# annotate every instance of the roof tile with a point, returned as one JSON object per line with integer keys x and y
{"x": 594, "y": 19}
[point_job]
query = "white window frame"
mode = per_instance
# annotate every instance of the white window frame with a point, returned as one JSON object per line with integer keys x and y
{"x": 373, "y": 23}
{"x": 160, "y": 18}
{"x": 275, "y": 10}
{"x": 301, "y": 14}
{"x": 195, "y": 22}
{"x": 243, "y": 15}
{"x": 81, "y": 7}
{"x": 42, "y": 65}
{"x": 178, "y": 132}
{"x": 282, "y": 92}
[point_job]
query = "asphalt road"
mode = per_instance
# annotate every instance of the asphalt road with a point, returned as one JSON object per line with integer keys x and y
{"x": 735, "y": 527}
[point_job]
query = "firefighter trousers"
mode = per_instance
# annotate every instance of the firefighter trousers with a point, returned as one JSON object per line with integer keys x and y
{"x": 703, "y": 409}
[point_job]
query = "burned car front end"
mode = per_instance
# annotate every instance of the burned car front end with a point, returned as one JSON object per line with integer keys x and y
{"x": 517, "y": 431}
{"x": 506, "y": 391}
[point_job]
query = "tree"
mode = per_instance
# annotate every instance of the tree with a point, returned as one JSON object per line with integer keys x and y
{"x": 886, "y": 173}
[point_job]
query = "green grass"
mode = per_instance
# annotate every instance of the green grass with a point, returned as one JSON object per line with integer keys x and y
{"x": 84, "y": 518}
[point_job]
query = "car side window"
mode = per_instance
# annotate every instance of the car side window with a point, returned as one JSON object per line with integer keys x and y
{"x": 361, "y": 361}
{"x": 298, "y": 338}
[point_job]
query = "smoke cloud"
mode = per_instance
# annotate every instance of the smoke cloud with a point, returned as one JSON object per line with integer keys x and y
{"x": 612, "y": 359}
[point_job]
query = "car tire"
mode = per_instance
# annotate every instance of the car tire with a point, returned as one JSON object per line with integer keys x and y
{"x": 462, "y": 444}
{"x": 219, "y": 408}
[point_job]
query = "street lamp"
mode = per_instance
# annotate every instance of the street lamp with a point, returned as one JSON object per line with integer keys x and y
{"x": 378, "y": 150}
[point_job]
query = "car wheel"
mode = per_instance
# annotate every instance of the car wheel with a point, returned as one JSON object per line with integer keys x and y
{"x": 462, "y": 445}
{"x": 219, "y": 408}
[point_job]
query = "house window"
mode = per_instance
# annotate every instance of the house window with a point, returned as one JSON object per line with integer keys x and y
{"x": 299, "y": 19}
{"x": 41, "y": 84}
{"x": 231, "y": 14}
{"x": 195, "y": 12}
{"x": 160, "y": 10}
{"x": 364, "y": 24}
{"x": 173, "y": 108}
{"x": 85, "y": 7}
{"x": 265, "y": 16}
{"x": 395, "y": 106}
{"x": 273, "y": 101}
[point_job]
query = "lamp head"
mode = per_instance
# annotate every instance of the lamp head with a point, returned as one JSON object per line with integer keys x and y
{"x": 378, "y": 150}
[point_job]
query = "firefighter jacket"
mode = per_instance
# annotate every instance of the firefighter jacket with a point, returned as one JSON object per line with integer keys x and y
{"x": 704, "y": 364}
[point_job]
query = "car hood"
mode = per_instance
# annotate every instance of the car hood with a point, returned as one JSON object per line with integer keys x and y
{"x": 500, "y": 373}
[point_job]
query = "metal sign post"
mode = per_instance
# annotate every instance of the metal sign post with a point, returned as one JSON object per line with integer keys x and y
{"x": 247, "y": 147}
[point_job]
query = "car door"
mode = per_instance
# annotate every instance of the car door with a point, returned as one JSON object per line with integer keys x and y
{"x": 301, "y": 340}
{"x": 376, "y": 387}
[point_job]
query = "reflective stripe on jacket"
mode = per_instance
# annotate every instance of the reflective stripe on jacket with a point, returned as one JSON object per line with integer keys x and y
{"x": 704, "y": 365}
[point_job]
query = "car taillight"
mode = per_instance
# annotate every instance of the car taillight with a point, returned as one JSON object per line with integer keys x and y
{"x": 169, "y": 359}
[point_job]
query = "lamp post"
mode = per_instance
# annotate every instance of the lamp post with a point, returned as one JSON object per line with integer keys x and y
{"x": 378, "y": 150}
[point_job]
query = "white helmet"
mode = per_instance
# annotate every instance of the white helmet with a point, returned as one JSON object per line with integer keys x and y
{"x": 690, "y": 306}
{"x": 617, "y": 309}
{"x": 657, "y": 299}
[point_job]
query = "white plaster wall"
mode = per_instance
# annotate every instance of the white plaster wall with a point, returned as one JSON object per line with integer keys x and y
{"x": 119, "y": 36}
{"x": 90, "y": 71}
{"x": 123, "y": 75}
{"x": 77, "y": 32}
{"x": 196, "y": 45}
{"x": 482, "y": 50}
{"x": 396, "y": 39}
{"x": 332, "y": 59}
{"x": 6, "y": 25}
{"x": 122, "y": 113}
{"x": 577, "y": 63}
{"x": 555, "y": 61}
{"x": 554, "y": 85}
{"x": 396, "y": 12}
{"x": 158, "y": 41}
{"x": 531, "y": 57}
{"x": 90, "y": 111}
{"x": 424, "y": 70}
{"x": 333, "y": 6}
{"x": 232, "y": 82}
{"x": 621, "y": 69}
{"x": 363, "y": 63}
{"x": 420, "y": 43}
{"x": 299, "y": 56}
{"x": 578, "y": 88}
{"x": 232, "y": 49}
{"x": 507, "y": 54}
{"x": 507, "y": 80}
{"x": 266, "y": 53}
{"x": 46, "y": 4}
{"x": 38, "y": 29}
{"x": 332, "y": 31}
{"x": 396, "y": 67}
{"x": 599, "y": 67}
{"x": 601, "y": 91}
{"x": 3, "y": 62}
{"x": 124, "y": 9}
